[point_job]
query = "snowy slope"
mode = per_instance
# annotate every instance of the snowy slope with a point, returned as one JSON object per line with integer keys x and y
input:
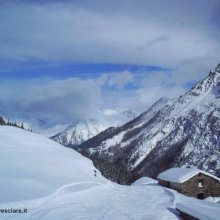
{"x": 33, "y": 166}
{"x": 106, "y": 201}
{"x": 199, "y": 209}
{"x": 180, "y": 132}
{"x": 77, "y": 133}
{"x": 144, "y": 181}
{"x": 53, "y": 182}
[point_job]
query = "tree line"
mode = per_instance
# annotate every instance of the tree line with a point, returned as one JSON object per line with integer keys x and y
{"x": 9, "y": 123}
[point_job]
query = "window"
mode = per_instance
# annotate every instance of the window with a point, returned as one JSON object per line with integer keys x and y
{"x": 200, "y": 183}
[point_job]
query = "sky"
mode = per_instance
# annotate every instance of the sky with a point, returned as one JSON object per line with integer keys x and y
{"x": 63, "y": 60}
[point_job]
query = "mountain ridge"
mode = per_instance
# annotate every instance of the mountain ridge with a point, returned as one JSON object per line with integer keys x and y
{"x": 76, "y": 133}
{"x": 177, "y": 132}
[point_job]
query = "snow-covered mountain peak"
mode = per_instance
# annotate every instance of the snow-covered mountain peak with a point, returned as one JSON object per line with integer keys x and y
{"x": 217, "y": 69}
{"x": 76, "y": 133}
{"x": 161, "y": 102}
{"x": 208, "y": 83}
{"x": 82, "y": 124}
{"x": 157, "y": 105}
{"x": 202, "y": 89}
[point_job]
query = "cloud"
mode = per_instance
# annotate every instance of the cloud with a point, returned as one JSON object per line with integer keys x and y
{"x": 109, "y": 32}
{"x": 109, "y": 112}
{"x": 56, "y": 101}
{"x": 156, "y": 78}
{"x": 193, "y": 70}
{"x": 149, "y": 87}
{"x": 180, "y": 35}
{"x": 48, "y": 102}
{"x": 147, "y": 96}
{"x": 157, "y": 40}
{"x": 120, "y": 79}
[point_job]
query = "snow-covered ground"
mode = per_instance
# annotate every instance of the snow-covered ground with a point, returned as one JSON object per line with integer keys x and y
{"x": 105, "y": 201}
{"x": 213, "y": 199}
{"x": 145, "y": 181}
{"x": 34, "y": 166}
{"x": 199, "y": 209}
{"x": 53, "y": 182}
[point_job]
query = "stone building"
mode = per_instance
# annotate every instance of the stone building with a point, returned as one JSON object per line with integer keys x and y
{"x": 191, "y": 182}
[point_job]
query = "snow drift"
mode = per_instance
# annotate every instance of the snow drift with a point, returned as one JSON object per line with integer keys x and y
{"x": 34, "y": 166}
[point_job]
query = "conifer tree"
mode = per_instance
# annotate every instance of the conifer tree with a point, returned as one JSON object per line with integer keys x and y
{"x": 2, "y": 122}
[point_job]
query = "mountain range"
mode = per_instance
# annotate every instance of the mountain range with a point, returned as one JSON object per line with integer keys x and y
{"x": 78, "y": 132}
{"x": 183, "y": 132}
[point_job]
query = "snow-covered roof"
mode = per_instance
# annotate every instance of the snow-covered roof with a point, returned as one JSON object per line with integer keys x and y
{"x": 180, "y": 175}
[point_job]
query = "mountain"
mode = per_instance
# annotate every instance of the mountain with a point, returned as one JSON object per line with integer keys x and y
{"x": 77, "y": 133}
{"x": 181, "y": 132}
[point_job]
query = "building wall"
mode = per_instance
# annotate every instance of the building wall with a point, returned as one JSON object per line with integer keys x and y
{"x": 171, "y": 185}
{"x": 210, "y": 186}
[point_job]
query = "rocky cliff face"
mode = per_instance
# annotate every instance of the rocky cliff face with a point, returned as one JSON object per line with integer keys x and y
{"x": 179, "y": 132}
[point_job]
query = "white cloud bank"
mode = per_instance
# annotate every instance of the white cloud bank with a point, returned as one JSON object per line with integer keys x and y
{"x": 181, "y": 35}
{"x": 163, "y": 33}
{"x": 62, "y": 101}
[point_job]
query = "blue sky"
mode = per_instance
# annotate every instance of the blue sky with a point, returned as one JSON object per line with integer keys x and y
{"x": 70, "y": 60}
{"x": 41, "y": 69}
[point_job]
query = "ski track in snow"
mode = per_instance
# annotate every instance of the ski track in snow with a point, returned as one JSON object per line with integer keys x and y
{"x": 92, "y": 200}
{"x": 56, "y": 196}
